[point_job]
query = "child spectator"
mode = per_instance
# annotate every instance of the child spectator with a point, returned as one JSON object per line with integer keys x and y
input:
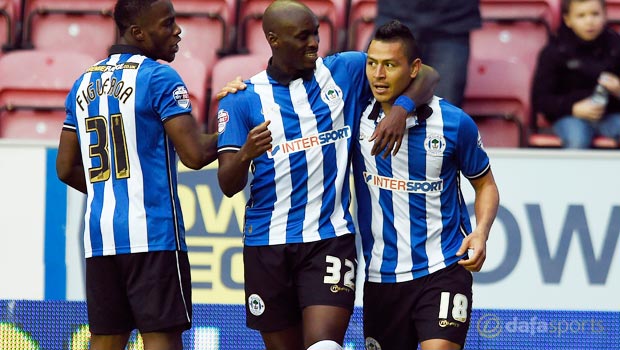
{"x": 584, "y": 53}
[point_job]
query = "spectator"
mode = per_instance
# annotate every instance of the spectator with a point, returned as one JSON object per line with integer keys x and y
{"x": 585, "y": 52}
{"x": 442, "y": 29}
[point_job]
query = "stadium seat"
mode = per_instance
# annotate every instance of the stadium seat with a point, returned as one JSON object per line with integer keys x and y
{"x": 10, "y": 21}
{"x": 362, "y": 15}
{"x": 547, "y": 11}
{"x": 33, "y": 88}
{"x": 207, "y": 28}
{"x": 31, "y": 123}
{"x": 227, "y": 69}
{"x": 497, "y": 98}
{"x": 542, "y": 136}
{"x": 86, "y": 25}
{"x": 194, "y": 74}
{"x": 613, "y": 14}
{"x": 331, "y": 14}
{"x": 512, "y": 41}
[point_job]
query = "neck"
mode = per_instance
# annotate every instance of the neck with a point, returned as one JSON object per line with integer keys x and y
{"x": 386, "y": 107}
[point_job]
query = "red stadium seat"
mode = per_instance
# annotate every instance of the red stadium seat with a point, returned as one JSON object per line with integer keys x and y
{"x": 31, "y": 123}
{"x": 547, "y": 11}
{"x": 194, "y": 74}
{"x": 331, "y": 14}
{"x": 542, "y": 136}
{"x": 207, "y": 28}
{"x": 362, "y": 15}
{"x": 85, "y": 26}
{"x": 33, "y": 88}
{"x": 497, "y": 97}
{"x": 10, "y": 21}
{"x": 512, "y": 41}
{"x": 9, "y": 18}
{"x": 613, "y": 13}
{"x": 227, "y": 69}
{"x": 514, "y": 30}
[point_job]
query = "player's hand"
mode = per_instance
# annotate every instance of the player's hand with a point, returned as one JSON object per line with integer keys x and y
{"x": 476, "y": 248}
{"x": 586, "y": 109}
{"x": 231, "y": 87}
{"x": 258, "y": 142}
{"x": 388, "y": 134}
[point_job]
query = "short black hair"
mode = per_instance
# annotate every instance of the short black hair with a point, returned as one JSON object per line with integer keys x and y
{"x": 394, "y": 30}
{"x": 127, "y": 11}
{"x": 566, "y": 5}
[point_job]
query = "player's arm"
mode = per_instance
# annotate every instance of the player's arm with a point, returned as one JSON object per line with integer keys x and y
{"x": 69, "y": 166}
{"x": 389, "y": 133}
{"x": 485, "y": 208}
{"x": 195, "y": 149}
{"x": 233, "y": 167}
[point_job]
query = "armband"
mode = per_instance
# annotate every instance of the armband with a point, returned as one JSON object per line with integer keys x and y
{"x": 406, "y": 103}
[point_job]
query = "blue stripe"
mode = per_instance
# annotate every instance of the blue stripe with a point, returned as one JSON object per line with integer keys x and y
{"x": 390, "y": 248}
{"x": 417, "y": 203}
{"x": 122, "y": 242}
{"x": 55, "y": 225}
{"x": 298, "y": 172}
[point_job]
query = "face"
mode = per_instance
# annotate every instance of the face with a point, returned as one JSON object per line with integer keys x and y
{"x": 160, "y": 32}
{"x": 295, "y": 43}
{"x": 586, "y": 19}
{"x": 388, "y": 71}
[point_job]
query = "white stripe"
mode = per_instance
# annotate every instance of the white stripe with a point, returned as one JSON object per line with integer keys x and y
{"x": 376, "y": 227}
{"x": 376, "y": 223}
{"x": 402, "y": 221}
{"x": 107, "y": 212}
{"x": 229, "y": 149}
{"x": 181, "y": 287}
{"x": 433, "y": 199}
{"x": 277, "y": 226}
{"x": 314, "y": 161}
{"x": 138, "y": 234}
{"x": 324, "y": 79}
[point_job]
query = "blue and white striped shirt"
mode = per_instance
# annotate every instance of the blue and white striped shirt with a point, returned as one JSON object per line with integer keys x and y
{"x": 410, "y": 210}
{"x": 118, "y": 107}
{"x": 300, "y": 188}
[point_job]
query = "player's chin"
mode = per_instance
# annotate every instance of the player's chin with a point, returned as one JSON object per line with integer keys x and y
{"x": 382, "y": 98}
{"x": 169, "y": 57}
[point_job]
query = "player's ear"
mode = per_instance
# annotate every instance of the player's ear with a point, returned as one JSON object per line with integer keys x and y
{"x": 415, "y": 68}
{"x": 137, "y": 33}
{"x": 272, "y": 39}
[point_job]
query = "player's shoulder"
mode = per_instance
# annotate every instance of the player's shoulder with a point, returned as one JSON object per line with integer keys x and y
{"x": 152, "y": 66}
{"x": 344, "y": 58}
{"x": 239, "y": 98}
{"x": 449, "y": 114}
{"x": 448, "y": 110}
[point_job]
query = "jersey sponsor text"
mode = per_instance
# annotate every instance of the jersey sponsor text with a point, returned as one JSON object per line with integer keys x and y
{"x": 411, "y": 186}
{"x": 311, "y": 141}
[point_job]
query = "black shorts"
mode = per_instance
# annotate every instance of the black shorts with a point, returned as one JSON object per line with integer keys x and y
{"x": 398, "y": 316}
{"x": 148, "y": 291}
{"x": 280, "y": 280}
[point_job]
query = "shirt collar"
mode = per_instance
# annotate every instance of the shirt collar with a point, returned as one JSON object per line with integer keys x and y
{"x": 120, "y": 48}
{"x": 420, "y": 114}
